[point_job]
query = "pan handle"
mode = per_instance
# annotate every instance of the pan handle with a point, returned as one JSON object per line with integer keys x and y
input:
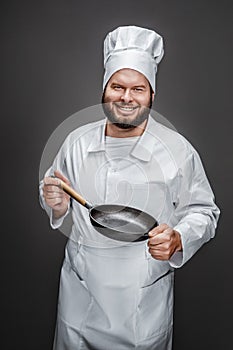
{"x": 70, "y": 191}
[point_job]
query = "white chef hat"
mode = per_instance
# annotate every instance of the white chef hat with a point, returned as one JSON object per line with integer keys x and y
{"x": 132, "y": 47}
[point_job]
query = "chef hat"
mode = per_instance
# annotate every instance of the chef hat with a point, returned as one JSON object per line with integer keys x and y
{"x": 132, "y": 47}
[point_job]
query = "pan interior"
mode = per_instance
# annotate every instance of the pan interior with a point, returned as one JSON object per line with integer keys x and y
{"x": 123, "y": 219}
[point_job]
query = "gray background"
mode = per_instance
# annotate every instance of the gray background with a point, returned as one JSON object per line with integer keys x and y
{"x": 51, "y": 67}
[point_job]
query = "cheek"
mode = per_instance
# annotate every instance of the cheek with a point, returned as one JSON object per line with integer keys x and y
{"x": 143, "y": 100}
{"x": 111, "y": 96}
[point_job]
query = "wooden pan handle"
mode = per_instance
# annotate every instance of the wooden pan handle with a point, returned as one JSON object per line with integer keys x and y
{"x": 70, "y": 191}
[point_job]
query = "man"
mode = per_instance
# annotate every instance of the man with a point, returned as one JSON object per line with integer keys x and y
{"x": 118, "y": 295}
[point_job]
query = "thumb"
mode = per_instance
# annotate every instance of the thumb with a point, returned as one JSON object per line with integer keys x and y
{"x": 61, "y": 177}
{"x": 153, "y": 232}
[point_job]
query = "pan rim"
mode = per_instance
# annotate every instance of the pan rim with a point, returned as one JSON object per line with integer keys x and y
{"x": 120, "y": 206}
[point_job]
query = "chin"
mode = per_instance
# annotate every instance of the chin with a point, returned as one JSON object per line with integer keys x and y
{"x": 124, "y": 124}
{"x": 125, "y": 121}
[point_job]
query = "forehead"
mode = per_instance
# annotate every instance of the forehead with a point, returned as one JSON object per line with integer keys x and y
{"x": 127, "y": 77}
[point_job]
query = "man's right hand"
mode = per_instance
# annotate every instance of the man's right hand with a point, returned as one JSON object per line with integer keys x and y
{"x": 54, "y": 195}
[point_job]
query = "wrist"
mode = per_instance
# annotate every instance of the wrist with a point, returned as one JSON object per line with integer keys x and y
{"x": 179, "y": 247}
{"x": 58, "y": 213}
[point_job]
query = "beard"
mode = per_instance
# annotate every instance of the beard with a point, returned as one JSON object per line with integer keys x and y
{"x": 126, "y": 122}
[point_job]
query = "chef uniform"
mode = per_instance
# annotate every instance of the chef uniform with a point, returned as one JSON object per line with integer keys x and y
{"x": 114, "y": 295}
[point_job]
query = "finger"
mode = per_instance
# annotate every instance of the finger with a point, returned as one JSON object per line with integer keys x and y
{"x": 161, "y": 247}
{"x": 157, "y": 241}
{"x": 54, "y": 202}
{"x": 158, "y": 229}
{"x": 161, "y": 235}
{"x": 61, "y": 176}
{"x": 52, "y": 195}
{"x": 156, "y": 253}
{"x": 49, "y": 181}
{"x": 51, "y": 191}
{"x": 52, "y": 188}
{"x": 160, "y": 255}
{"x": 164, "y": 250}
{"x": 164, "y": 237}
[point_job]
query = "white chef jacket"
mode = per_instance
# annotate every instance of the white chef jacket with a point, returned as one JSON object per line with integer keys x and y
{"x": 162, "y": 175}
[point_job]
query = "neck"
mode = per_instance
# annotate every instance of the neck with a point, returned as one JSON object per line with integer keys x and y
{"x": 114, "y": 131}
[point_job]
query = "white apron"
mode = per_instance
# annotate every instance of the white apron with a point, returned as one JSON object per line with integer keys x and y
{"x": 114, "y": 298}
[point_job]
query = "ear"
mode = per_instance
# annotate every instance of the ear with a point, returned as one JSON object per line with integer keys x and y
{"x": 153, "y": 96}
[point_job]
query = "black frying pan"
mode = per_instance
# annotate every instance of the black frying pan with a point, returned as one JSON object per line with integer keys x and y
{"x": 116, "y": 221}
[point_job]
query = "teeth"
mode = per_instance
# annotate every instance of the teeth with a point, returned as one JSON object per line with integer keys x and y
{"x": 127, "y": 108}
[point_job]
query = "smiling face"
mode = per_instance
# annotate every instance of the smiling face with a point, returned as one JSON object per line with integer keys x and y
{"x": 127, "y": 100}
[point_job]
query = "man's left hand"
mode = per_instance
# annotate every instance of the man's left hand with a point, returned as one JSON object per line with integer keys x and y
{"x": 164, "y": 242}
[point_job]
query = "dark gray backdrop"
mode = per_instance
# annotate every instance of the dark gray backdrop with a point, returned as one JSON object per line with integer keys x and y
{"x": 51, "y": 62}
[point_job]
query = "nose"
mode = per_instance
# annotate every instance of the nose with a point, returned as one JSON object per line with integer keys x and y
{"x": 126, "y": 96}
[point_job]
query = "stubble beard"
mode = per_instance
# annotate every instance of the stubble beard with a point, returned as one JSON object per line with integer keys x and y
{"x": 128, "y": 123}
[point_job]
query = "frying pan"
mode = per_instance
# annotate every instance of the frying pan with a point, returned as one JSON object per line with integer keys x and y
{"x": 115, "y": 221}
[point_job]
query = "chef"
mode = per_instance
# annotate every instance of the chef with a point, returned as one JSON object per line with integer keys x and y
{"x": 118, "y": 295}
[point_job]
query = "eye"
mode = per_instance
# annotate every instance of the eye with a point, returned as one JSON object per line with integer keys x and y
{"x": 117, "y": 87}
{"x": 138, "y": 89}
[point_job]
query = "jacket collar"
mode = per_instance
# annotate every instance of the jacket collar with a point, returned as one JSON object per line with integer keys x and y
{"x": 143, "y": 148}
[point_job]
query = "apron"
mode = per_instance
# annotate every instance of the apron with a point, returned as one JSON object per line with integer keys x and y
{"x": 117, "y": 298}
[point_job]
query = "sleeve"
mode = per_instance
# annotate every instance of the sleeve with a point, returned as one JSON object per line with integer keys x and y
{"x": 59, "y": 164}
{"x": 196, "y": 211}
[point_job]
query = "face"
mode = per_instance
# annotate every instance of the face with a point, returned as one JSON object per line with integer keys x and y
{"x": 127, "y": 99}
